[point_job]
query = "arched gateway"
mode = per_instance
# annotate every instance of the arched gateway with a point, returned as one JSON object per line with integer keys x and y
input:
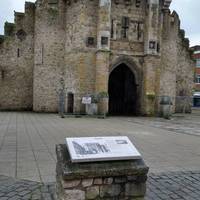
{"x": 122, "y": 89}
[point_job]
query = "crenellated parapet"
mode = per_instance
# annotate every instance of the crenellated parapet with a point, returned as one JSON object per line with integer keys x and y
{"x": 9, "y": 29}
{"x": 23, "y": 23}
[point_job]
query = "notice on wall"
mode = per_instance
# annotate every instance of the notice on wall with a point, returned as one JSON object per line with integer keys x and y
{"x": 92, "y": 149}
{"x": 86, "y": 100}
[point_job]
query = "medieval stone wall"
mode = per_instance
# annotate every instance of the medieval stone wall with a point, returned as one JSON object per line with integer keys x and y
{"x": 81, "y": 41}
{"x": 176, "y": 63}
{"x": 184, "y": 76}
{"x": 48, "y": 54}
{"x": 80, "y": 54}
{"x": 134, "y": 43}
{"x": 168, "y": 60}
{"x": 16, "y": 62}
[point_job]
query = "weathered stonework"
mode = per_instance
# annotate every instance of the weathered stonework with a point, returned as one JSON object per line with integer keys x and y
{"x": 16, "y": 62}
{"x": 123, "y": 180}
{"x": 82, "y": 43}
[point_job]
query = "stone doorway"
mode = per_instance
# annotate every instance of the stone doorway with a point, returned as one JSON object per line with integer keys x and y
{"x": 122, "y": 91}
{"x": 70, "y": 102}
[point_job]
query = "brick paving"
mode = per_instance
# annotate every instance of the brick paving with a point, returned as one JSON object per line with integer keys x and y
{"x": 14, "y": 189}
{"x": 163, "y": 186}
{"x": 169, "y": 147}
{"x": 174, "y": 185}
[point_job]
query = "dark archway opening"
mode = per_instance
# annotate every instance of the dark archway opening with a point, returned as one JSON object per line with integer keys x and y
{"x": 122, "y": 91}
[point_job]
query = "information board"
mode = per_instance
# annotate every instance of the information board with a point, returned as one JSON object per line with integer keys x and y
{"x": 91, "y": 149}
{"x": 86, "y": 100}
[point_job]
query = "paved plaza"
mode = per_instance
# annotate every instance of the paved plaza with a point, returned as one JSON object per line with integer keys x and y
{"x": 171, "y": 148}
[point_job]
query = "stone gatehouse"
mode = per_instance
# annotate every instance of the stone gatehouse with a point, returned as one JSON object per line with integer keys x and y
{"x": 133, "y": 50}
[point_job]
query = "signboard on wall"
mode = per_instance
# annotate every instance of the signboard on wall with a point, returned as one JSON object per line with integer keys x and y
{"x": 92, "y": 149}
{"x": 86, "y": 100}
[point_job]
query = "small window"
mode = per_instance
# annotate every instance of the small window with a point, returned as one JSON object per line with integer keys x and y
{"x": 104, "y": 40}
{"x": 112, "y": 28}
{"x": 125, "y": 22}
{"x": 158, "y": 47}
{"x": 152, "y": 45}
{"x": 2, "y": 74}
{"x": 198, "y": 63}
{"x": 90, "y": 41}
{"x": 198, "y": 79}
{"x": 18, "y": 52}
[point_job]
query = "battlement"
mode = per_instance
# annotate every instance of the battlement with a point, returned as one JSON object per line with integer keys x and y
{"x": 29, "y": 6}
{"x": 19, "y": 18}
{"x": 20, "y": 21}
{"x": 9, "y": 29}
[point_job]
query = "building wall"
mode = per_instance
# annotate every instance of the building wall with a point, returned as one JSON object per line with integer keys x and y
{"x": 185, "y": 77}
{"x": 64, "y": 42}
{"x": 177, "y": 64}
{"x": 16, "y": 62}
{"x": 48, "y": 54}
{"x": 169, "y": 57}
{"x": 80, "y": 57}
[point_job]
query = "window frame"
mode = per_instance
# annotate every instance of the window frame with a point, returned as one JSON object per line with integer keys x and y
{"x": 198, "y": 63}
{"x": 197, "y": 79}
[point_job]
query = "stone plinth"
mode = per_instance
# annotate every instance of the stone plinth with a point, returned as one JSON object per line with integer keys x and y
{"x": 121, "y": 180}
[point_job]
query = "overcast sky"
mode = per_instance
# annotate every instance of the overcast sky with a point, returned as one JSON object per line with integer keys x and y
{"x": 188, "y": 10}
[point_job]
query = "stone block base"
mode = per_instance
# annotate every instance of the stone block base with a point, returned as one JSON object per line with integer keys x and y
{"x": 115, "y": 180}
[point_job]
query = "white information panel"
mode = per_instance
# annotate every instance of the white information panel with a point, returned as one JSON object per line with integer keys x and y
{"x": 86, "y": 100}
{"x": 90, "y": 149}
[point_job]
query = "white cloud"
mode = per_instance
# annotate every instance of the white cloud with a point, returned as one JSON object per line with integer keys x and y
{"x": 188, "y": 11}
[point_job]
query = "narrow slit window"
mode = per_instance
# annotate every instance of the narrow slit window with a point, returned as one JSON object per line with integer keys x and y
{"x": 2, "y": 74}
{"x": 112, "y": 28}
{"x": 18, "y": 52}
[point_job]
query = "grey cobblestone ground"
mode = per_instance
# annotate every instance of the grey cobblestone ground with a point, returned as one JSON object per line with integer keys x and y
{"x": 163, "y": 186}
{"x": 174, "y": 185}
{"x": 14, "y": 189}
{"x": 27, "y": 151}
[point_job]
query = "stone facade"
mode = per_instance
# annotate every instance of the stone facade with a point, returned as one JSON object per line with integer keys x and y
{"x": 122, "y": 180}
{"x": 84, "y": 43}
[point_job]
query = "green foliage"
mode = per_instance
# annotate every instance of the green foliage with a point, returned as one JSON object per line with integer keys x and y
{"x": 96, "y": 97}
{"x": 103, "y": 94}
